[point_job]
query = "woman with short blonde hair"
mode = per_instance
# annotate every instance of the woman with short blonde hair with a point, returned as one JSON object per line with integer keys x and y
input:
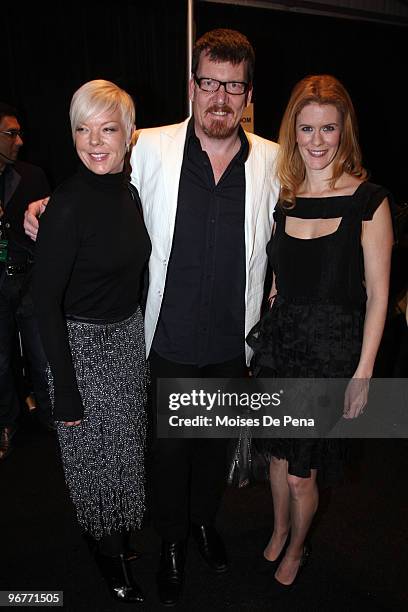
{"x": 91, "y": 252}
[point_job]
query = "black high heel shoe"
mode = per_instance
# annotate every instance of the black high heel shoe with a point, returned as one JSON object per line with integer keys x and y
{"x": 266, "y": 565}
{"x": 303, "y": 562}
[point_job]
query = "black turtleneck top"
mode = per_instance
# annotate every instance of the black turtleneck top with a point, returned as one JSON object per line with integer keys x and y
{"x": 91, "y": 251}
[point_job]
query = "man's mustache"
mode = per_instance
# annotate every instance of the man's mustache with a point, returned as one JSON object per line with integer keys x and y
{"x": 217, "y": 109}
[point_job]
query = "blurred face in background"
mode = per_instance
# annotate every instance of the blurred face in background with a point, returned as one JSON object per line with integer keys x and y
{"x": 10, "y": 140}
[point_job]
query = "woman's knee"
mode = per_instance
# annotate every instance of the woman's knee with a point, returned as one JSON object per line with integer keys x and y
{"x": 300, "y": 486}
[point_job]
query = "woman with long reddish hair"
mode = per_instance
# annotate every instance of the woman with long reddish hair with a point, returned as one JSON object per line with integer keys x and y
{"x": 327, "y": 310}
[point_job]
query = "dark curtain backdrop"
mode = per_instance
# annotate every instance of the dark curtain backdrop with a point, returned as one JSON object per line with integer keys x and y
{"x": 369, "y": 58}
{"x": 48, "y": 52}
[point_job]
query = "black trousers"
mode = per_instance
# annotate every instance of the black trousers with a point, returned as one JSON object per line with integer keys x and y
{"x": 188, "y": 475}
{"x": 17, "y": 313}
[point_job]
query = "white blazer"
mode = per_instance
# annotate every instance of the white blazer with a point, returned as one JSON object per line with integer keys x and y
{"x": 156, "y": 167}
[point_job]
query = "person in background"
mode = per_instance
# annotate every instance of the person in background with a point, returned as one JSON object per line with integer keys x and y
{"x": 91, "y": 253}
{"x": 20, "y": 182}
{"x": 327, "y": 310}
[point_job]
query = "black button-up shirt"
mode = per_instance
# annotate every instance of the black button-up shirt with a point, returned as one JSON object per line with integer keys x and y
{"x": 202, "y": 318}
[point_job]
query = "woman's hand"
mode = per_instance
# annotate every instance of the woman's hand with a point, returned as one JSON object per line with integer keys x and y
{"x": 271, "y": 299}
{"x": 71, "y": 423}
{"x": 356, "y": 397}
{"x": 272, "y": 293}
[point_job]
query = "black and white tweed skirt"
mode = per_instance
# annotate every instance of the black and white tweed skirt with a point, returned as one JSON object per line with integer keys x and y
{"x": 103, "y": 457}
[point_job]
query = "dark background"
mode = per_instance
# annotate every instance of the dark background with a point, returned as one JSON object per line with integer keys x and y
{"x": 49, "y": 52}
{"x": 359, "y": 545}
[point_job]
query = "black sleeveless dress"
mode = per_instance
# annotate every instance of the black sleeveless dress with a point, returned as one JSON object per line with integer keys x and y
{"x": 315, "y": 326}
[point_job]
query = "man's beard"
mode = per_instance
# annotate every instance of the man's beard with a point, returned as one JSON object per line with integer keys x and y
{"x": 219, "y": 128}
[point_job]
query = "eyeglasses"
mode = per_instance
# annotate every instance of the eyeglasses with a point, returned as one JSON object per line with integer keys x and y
{"x": 236, "y": 88}
{"x": 12, "y": 133}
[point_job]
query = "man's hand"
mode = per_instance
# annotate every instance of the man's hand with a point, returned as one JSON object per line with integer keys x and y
{"x": 31, "y": 215}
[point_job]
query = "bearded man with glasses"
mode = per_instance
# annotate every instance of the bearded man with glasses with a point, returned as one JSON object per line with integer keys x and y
{"x": 208, "y": 191}
{"x": 20, "y": 183}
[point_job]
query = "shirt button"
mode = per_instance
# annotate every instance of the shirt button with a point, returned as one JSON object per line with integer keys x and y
{"x": 212, "y": 220}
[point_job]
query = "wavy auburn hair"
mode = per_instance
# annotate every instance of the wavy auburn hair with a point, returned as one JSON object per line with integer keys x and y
{"x": 322, "y": 89}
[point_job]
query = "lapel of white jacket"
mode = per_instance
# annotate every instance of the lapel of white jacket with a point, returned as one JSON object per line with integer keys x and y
{"x": 172, "y": 141}
{"x": 254, "y": 185}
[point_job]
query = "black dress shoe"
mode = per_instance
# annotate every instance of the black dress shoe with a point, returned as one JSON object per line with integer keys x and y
{"x": 171, "y": 572}
{"x": 6, "y": 435}
{"x": 118, "y": 576}
{"x": 211, "y": 547}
